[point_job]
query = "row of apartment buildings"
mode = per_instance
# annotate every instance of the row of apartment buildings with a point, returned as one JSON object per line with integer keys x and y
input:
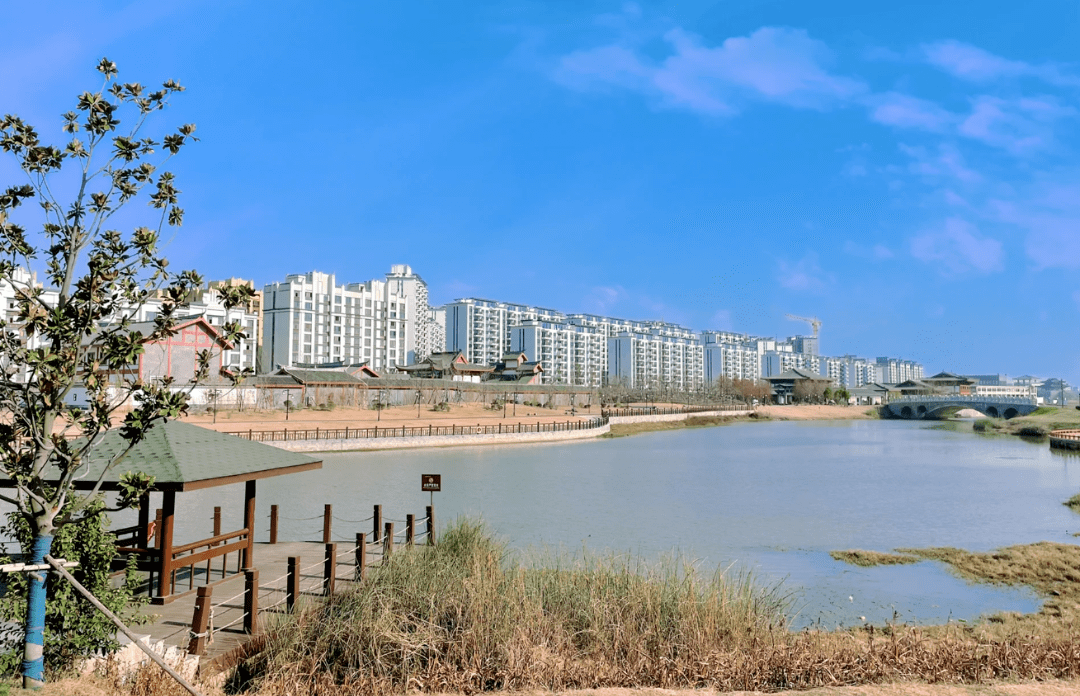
{"x": 387, "y": 323}
{"x": 590, "y": 350}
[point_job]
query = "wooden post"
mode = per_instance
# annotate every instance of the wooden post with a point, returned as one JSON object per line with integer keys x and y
{"x": 329, "y": 569}
{"x": 376, "y": 534}
{"x": 327, "y": 522}
{"x": 251, "y": 600}
{"x": 431, "y": 525}
{"x": 157, "y": 529}
{"x": 388, "y": 541}
{"x": 217, "y": 531}
{"x": 199, "y": 620}
{"x": 248, "y": 555}
{"x": 143, "y": 540}
{"x": 168, "y": 512}
{"x": 361, "y": 557}
{"x": 410, "y": 529}
{"x": 273, "y": 523}
{"x": 292, "y": 591}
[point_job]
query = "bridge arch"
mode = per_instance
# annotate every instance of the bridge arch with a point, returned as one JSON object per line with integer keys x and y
{"x": 921, "y": 411}
{"x": 1011, "y": 412}
{"x": 993, "y": 412}
{"x": 905, "y": 412}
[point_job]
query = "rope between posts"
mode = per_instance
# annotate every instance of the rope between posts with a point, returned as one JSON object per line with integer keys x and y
{"x": 275, "y": 604}
{"x": 366, "y": 519}
{"x": 299, "y": 519}
{"x": 347, "y": 552}
{"x": 231, "y": 623}
{"x": 313, "y": 565}
{"x": 226, "y": 601}
{"x": 271, "y": 583}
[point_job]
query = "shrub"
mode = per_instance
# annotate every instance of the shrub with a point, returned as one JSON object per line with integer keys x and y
{"x": 73, "y": 627}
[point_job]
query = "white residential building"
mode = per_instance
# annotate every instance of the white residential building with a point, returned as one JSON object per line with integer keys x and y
{"x": 437, "y": 330}
{"x": 482, "y": 329}
{"x": 895, "y": 370}
{"x": 648, "y": 360}
{"x": 568, "y": 353}
{"x": 312, "y": 319}
{"x": 1026, "y": 391}
{"x": 731, "y": 360}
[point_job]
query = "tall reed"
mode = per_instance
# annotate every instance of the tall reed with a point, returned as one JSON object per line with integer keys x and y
{"x": 468, "y": 616}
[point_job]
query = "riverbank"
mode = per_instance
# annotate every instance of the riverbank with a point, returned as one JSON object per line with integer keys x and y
{"x": 1039, "y": 424}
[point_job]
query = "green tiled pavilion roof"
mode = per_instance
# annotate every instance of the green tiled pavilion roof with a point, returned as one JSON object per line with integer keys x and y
{"x": 181, "y": 457}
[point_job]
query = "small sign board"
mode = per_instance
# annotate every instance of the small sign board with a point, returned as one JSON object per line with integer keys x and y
{"x": 431, "y": 483}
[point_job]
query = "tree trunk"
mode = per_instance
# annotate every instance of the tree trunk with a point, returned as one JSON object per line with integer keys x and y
{"x": 33, "y": 666}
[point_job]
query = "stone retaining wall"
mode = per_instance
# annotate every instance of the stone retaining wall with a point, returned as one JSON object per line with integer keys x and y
{"x": 388, "y": 443}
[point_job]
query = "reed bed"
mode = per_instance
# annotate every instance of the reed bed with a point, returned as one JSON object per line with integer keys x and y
{"x": 466, "y": 616}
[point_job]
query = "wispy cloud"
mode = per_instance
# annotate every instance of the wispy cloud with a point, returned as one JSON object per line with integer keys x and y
{"x": 1018, "y": 125}
{"x": 975, "y": 64}
{"x": 957, "y": 248}
{"x": 773, "y": 64}
{"x": 1048, "y": 211}
{"x": 944, "y": 162}
{"x": 906, "y": 111}
{"x": 804, "y": 275}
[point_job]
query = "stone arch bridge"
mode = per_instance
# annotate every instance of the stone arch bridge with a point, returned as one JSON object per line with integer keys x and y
{"x": 910, "y": 407}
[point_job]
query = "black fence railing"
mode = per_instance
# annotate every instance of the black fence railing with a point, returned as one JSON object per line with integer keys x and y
{"x": 286, "y": 435}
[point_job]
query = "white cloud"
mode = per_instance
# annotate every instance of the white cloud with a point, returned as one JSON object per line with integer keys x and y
{"x": 773, "y": 64}
{"x": 1048, "y": 211}
{"x": 804, "y": 275}
{"x": 945, "y": 163}
{"x": 603, "y": 298}
{"x": 1019, "y": 126}
{"x": 905, "y": 111}
{"x": 974, "y": 64}
{"x": 957, "y": 248}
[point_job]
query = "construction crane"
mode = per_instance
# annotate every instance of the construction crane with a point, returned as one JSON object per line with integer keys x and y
{"x": 812, "y": 321}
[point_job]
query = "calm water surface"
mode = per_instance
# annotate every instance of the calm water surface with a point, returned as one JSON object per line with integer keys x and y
{"x": 774, "y": 498}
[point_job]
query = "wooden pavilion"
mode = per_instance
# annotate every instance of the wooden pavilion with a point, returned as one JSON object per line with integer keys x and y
{"x": 183, "y": 457}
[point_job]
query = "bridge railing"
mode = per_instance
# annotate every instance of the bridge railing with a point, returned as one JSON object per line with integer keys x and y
{"x": 938, "y": 398}
{"x": 1065, "y": 435}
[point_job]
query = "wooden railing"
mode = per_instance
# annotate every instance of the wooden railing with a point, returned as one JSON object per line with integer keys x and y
{"x": 1065, "y": 439}
{"x": 220, "y": 546}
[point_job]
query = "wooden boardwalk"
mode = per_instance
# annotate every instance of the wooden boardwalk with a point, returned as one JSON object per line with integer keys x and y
{"x": 171, "y": 622}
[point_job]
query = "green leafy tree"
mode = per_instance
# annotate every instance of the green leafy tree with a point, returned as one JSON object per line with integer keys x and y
{"x": 73, "y": 627}
{"x": 80, "y": 334}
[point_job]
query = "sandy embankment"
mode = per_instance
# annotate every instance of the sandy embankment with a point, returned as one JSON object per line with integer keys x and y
{"x": 817, "y": 412}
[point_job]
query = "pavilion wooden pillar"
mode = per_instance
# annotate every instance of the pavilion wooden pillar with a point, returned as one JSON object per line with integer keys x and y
{"x": 144, "y": 521}
{"x": 249, "y": 524}
{"x": 165, "y": 534}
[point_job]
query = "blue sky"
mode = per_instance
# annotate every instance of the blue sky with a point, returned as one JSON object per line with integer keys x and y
{"x": 908, "y": 174}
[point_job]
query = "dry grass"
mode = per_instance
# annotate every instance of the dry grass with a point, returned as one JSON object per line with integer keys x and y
{"x": 466, "y": 617}
{"x": 868, "y": 559}
{"x": 623, "y": 429}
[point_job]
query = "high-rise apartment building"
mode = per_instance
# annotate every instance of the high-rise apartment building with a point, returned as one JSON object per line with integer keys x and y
{"x": 312, "y": 319}
{"x": 568, "y": 353}
{"x": 482, "y": 329}
{"x": 654, "y": 359}
{"x": 895, "y": 370}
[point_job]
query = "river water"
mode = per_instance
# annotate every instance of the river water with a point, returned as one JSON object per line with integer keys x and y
{"x": 773, "y": 498}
